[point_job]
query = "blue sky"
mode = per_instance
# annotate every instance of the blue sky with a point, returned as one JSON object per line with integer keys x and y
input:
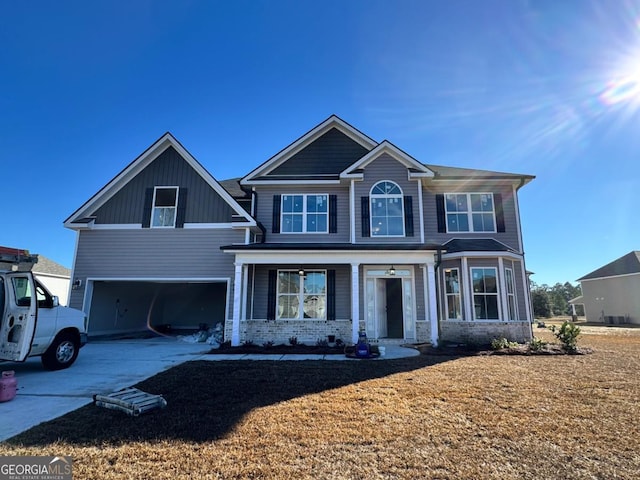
{"x": 541, "y": 87}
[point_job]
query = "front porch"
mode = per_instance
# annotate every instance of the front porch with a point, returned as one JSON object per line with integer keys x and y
{"x": 307, "y": 296}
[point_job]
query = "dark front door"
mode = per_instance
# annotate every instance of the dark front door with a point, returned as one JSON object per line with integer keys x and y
{"x": 394, "y": 308}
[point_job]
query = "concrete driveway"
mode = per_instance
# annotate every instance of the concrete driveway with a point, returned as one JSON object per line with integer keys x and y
{"x": 101, "y": 367}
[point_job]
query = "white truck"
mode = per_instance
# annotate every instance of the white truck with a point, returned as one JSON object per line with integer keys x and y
{"x": 33, "y": 323}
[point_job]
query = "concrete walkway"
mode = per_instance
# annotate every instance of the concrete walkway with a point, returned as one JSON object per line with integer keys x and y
{"x": 107, "y": 366}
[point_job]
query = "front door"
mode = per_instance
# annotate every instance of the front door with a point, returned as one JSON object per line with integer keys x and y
{"x": 389, "y": 304}
{"x": 395, "y": 317}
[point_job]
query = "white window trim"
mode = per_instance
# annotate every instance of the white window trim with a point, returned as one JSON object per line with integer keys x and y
{"x": 153, "y": 206}
{"x": 470, "y": 212}
{"x": 304, "y": 212}
{"x": 513, "y": 294}
{"x": 446, "y": 294}
{"x": 497, "y": 295}
{"x": 373, "y": 196}
{"x": 301, "y": 294}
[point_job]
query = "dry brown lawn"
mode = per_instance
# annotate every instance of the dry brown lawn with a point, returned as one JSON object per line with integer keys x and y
{"x": 431, "y": 417}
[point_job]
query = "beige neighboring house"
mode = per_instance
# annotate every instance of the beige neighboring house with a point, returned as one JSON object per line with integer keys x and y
{"x": 610, "y": 294}
{"x": 54, "y": 277}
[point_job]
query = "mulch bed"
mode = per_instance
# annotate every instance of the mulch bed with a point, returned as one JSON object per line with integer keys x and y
{"x": 299, "y": 349}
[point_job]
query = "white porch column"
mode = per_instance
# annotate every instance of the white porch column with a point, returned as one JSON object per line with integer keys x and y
{"x": 355, "y": 301}
{"x": 504, "y": 315}
{"x": 237, "y": 303}
{"x": 433, "y": 306}
{"x": 467, "y": 291}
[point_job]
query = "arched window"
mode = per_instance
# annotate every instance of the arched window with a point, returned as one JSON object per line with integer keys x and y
{"x": 387, "y": 210}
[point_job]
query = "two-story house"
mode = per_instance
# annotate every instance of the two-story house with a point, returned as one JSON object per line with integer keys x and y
{"x": 334, "y": 234}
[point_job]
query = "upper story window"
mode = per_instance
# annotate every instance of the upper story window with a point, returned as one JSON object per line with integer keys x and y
{"x": 165, "y": 205}
{"x": 387, "y": 210}
{"x": 305, "y": 213}
{"x": 470, "y": 212}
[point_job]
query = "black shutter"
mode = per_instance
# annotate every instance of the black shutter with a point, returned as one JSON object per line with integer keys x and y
{"x": 275, "y": 227}
{"x": 271, "y": 295}
{"x": 364, "y": 207}
{"x": 497, "y": 203}
{"x": 146, "y": 210}
{"x": 442, "y": 219}
{"x": 408, "y": 216}
{"x": 182, "y": 207}
{"x": 333, "y": 214}
{"x": 331, "y": 294}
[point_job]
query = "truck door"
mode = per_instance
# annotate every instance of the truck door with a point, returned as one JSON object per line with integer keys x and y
{"x": 19, "y": 308}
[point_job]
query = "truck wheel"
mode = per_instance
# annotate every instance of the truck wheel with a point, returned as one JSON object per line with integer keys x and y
{"x": 62, "y": 352}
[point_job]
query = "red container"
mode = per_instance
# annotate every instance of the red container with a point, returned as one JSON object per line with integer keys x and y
{"x": 8, "y": 385}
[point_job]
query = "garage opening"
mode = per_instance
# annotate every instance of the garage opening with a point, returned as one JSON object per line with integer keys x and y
{"x": 119, "y": 307}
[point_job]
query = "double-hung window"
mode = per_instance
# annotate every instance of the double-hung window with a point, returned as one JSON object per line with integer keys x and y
{"x": 387, "y": 210}
{"x": 302, "y": 296}
{"x": 470, "y": 212}
{"x": 165, "y": 205}
{"x": 305, "y": 213}
{"x": 452, "y": 292}
{"x": 485, "y": 293}
{"x": 511, "y": 294}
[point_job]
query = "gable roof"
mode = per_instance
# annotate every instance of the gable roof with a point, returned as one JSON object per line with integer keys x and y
{"x": 269, "y": 169}
{"x": 80, "y": 217}
{"x": 415, "y": 168}
{"x": 625, "y": 265}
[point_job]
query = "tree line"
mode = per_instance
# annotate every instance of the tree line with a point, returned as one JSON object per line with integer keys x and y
{"x": 554, "y": 301}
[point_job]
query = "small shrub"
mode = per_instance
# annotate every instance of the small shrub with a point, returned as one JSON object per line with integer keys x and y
{"x": 568, "y": 336}
{"x": 268, "y": 344}
{"x": 248, "y": 343}
{"x": 537, "y": 344}
{"x": 322, "y": 343}
{"x": 339, "y": 343}
{"x": 500, "y": 343}
{"x": 293, "y": 341}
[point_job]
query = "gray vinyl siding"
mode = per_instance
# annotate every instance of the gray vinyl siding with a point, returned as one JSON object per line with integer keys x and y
{"x": 612, "y": 296}
{"x": 386, "y": 168}
{"x": 332, "y": 153}
{"x": 153, "y": 253}
{"x": 264, "y": 213}
{"x": 509, "y": 237}
{"x": 204, "y": 205}
{"x": 258, "y": 309}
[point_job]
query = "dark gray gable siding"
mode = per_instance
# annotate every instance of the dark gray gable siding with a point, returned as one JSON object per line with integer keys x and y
{"x": 330, "y": 154}
{"x": 204, "y": 205}
{"x": 509, "y": 237}
{"x": 387, "y": 168}
{"x": 265, "y": 214}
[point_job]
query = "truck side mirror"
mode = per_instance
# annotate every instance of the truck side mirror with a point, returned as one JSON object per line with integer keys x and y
{"x": 55, "y": 301}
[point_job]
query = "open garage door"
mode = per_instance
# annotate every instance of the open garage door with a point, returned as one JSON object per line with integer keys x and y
{"x": 119, "y": 307}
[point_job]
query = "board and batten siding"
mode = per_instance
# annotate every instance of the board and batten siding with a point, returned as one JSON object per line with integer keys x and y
{"x": 511, "y": 235}
{"x": 153, "y": 253}
{"x": 203, "y": 204}
{"x": 386, "y": 168}
{"x": 264, "y": 213}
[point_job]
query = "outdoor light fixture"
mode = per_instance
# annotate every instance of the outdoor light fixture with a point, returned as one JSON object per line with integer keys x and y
{"x": 391, "y": 271}
{"x": 301, "y": 272}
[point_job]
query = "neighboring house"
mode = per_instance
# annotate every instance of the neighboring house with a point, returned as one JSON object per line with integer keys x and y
{"x": 334, "y": 234}
{"x": 610, "y": 293}
{"x": 52, "y": 275}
